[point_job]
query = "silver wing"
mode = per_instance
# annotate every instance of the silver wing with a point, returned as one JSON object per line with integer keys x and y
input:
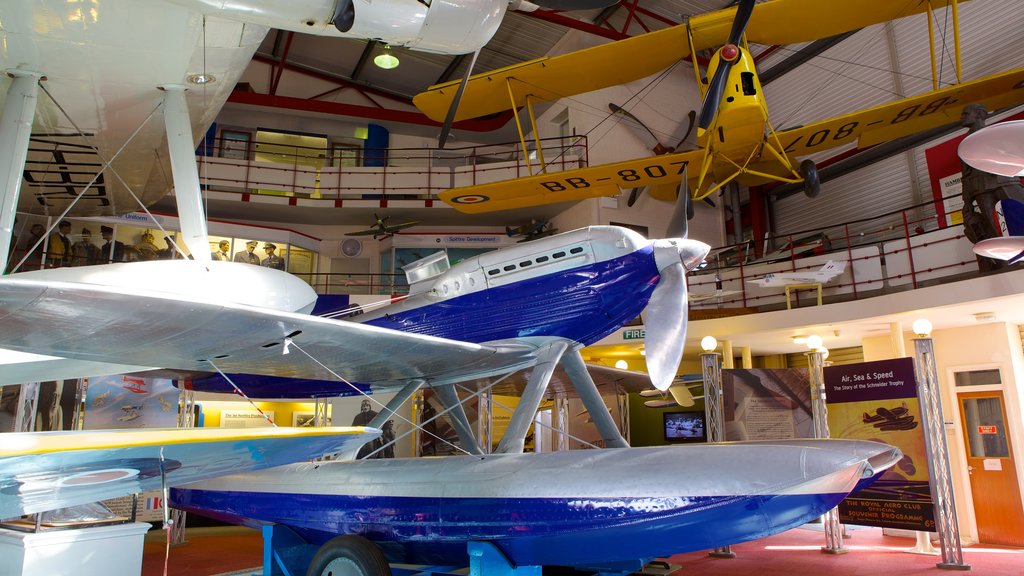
{"x": 128, "y": 326}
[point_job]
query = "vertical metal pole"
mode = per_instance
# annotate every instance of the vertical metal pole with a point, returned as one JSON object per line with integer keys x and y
{"x": 711, "y": 363}
{"x": 25, "y": 417}
{"x": 320, "y": 406}
{"x": 830, "y": 520}
{"x": 186, "y": 419}
{"x": 483, "y": 421}
{"x": 187, "y": 192}
{"x": 15, "y": 129}
{"x": 939, "y": 481}
{"x": 561, "y": 416}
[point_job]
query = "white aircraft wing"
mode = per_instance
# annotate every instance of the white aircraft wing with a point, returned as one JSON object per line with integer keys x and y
{"x": 42, "y": 471}
{"x": 143, "y": 328}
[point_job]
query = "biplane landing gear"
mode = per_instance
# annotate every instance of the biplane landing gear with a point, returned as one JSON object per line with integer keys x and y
{"x": 809, "y": 172}
{"x": 349, "y": 555}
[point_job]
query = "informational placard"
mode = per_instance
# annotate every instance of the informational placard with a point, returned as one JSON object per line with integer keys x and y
{"x": 246, "y": 418}
{"x": 766, "y": 404}
{"x": 878, "y": 401}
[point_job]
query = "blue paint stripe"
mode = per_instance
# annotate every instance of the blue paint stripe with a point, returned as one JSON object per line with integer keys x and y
{"x": 531, "y": 531}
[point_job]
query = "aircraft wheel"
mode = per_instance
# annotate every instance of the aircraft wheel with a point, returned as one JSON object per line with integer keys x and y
{"x": 349, "y": 555}
{"x": 809, "y": 172}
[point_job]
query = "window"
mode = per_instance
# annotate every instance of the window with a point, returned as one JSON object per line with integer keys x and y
{"x": 235, "y": 144}
{"x": 977, "y": 378}
{"x": 343, "y": 154}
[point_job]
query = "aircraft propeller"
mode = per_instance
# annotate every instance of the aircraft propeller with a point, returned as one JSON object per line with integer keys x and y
{"x": 666, "y": 316}
{"x": 727, "y": 56}
{"x": 659, "y": 149}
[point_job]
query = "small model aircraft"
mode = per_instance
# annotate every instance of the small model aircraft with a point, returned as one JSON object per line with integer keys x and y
{"x": 736, "y": 141}
{"x": 680, "y": 393}
{"x": 1011, "y": 246}
{"x": 830, "y": 270}
{"x": 381, "y": 229}
{"x": 535, "y": 229}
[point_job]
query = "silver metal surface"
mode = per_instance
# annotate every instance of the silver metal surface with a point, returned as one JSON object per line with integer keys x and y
{"x": 104, "y": 324}
{"x": 830, "y": 521}
{"x": 572, "y": 361}
{"x": 939, "y": 481}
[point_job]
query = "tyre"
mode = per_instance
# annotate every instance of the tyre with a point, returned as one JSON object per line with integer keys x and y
{"x": 809, "y": 172}
{"x": 349, "y": 555}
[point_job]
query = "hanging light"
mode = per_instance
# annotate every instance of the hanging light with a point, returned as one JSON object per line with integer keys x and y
{"x": 386, "y": 59}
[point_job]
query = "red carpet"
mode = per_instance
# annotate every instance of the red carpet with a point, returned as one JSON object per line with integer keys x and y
{"x": 797, "y": 552}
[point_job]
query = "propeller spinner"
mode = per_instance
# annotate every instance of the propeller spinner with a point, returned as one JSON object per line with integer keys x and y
{"x": 727, "y": 55}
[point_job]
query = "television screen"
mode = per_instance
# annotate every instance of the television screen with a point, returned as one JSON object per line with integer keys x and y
{"x": 685, "y": 427}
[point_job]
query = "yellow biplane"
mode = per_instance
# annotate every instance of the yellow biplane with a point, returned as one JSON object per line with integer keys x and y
{"x": 735, "y": 140}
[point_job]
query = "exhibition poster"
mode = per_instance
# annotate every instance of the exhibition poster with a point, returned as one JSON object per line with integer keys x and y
{"x": 766, "y": 404}
{"x": 123, "y": 401}
{"x": 878, "y": 401}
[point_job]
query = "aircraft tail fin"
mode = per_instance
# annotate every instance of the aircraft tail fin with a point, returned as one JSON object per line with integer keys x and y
{"x": 834, "y": 268}
{"x": 1013, "y": 212}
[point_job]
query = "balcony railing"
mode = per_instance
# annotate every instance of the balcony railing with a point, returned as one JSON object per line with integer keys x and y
{"x": 405, "y": 173}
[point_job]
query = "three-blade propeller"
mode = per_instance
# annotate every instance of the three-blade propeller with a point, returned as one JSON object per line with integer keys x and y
{"x": 727, "y": 55}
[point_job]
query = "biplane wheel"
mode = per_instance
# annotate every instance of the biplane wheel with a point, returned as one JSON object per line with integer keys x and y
{"x": 349, "y": 555}
{"x": 809, "y": 172}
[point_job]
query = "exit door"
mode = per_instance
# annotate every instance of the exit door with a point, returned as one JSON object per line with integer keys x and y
{"x": 990, "y": 463}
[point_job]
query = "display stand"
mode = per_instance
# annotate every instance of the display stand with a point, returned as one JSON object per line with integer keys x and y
{"x": 790, "y": 288}
{"x": 107, "y": 550}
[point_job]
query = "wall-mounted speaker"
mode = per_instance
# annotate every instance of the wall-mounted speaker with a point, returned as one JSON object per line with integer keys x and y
{"x": 350, "y": 247}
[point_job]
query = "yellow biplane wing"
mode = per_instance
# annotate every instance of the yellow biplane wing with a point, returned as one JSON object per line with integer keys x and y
{"x": 571, "y": 185}
{"x": 615, "y": 63}
{"x": 905, "y": 117}
{"x": 866, "y": 127}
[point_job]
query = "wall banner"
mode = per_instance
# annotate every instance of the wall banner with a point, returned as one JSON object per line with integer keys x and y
{"x": 878, "y": 401}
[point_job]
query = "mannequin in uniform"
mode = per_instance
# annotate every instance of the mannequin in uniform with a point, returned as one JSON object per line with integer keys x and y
{"x": 272, "y": 260}
{"x": 247, "y": 255}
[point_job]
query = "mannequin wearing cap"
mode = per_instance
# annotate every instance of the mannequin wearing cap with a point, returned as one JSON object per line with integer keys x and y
{"x": 221, "y": 254}
{"x": 84, "y": 252}
{"x": 272, "y": 260}
{"x": 112, "y": 250}
{"x": 247, "y": 255}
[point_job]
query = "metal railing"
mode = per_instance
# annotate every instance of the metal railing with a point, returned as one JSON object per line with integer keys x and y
{"x": 394, "y": 173}
{"x": 898, "y": 250}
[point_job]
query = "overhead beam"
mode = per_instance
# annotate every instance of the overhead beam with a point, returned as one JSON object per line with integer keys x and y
{"x": 340, "y": 80}
{"x": 563, "y": 20}
{"x": 363, "y": 59}
{"x": 802, "y": 55}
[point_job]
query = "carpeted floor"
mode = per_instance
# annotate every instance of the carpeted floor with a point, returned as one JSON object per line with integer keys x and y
{"x": 233, "y": 551}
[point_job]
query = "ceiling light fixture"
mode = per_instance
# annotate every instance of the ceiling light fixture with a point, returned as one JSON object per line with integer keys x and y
{"x": 799, "y": 339}
{"x": 200, "y": 79}
{"x": 386, "y": 59}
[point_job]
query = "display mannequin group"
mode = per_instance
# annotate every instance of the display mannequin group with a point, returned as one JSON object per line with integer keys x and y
{"x": 983, "y": 189}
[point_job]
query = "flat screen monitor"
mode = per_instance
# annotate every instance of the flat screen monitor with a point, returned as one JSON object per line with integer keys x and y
{"x": 685, "y": 427}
